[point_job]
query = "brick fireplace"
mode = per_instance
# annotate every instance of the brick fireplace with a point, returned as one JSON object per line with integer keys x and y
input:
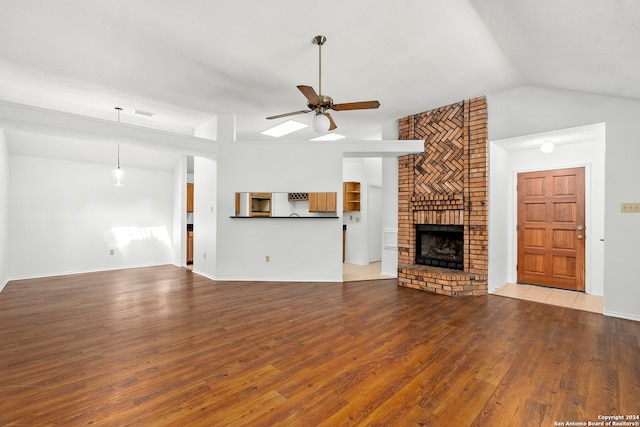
{"x": 445, "y": 186}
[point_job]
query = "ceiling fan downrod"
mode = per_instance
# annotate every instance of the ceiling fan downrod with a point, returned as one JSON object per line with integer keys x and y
{"x": 319, "y": 40}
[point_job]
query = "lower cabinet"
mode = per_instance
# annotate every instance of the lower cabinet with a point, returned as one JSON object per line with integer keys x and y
{"x": 189, "y": 247}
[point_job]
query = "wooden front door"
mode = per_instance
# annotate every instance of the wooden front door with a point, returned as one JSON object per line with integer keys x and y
{"x": 551, "y": 228}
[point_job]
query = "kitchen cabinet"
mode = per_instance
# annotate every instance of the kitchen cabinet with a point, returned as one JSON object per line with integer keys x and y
{"x": 351, "y": 196}
{"x": 322, "y": 202}
{"x": 189, "y": 197}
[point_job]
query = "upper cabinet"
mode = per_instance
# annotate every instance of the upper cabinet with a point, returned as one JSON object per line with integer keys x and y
{"x": 189, "y": 197}
{"x": 351, "y": 196}
{"x": 322, "y": 202}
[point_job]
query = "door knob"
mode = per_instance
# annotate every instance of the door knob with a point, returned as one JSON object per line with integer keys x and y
{"x": 580, "y": 237}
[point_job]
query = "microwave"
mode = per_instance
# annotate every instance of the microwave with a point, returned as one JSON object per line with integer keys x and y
{"x": 260, "y": 204}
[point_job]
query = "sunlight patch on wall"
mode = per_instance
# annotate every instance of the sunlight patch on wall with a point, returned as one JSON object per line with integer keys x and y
{"x": 120, "y": 237}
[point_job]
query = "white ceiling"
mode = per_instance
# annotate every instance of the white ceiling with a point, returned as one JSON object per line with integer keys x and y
{"x": 190, "y": 60}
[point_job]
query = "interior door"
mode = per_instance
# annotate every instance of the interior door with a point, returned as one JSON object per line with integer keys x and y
{"x": 551, "y": 228}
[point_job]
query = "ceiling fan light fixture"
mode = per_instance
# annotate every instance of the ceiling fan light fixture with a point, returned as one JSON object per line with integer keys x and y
{"x": 321, "y": 123}
{"x": 320, "y": 103}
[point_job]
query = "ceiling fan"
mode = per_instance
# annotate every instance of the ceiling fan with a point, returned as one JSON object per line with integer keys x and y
{"x": 322, "y": 103}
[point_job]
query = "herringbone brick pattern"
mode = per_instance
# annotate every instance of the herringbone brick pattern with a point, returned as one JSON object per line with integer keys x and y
{"x": 440, "y": 169}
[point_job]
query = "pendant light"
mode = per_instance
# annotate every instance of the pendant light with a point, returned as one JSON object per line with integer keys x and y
{"x": 118, "y": 175}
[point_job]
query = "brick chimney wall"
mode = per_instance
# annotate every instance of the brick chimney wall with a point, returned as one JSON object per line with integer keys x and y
{"x": 445, "y": 185}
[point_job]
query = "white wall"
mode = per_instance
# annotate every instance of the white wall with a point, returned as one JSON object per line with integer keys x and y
{"x": 4, "y": 211}
{"x": 500, "y": 258}
{"x": 179, "y": 234}
{"x": 530, "y": 110}
{"x": 507, "y": 160}
{"x": 66, "y": 216}
{"x": 204, "y": 216}
{"x": 390, "y": 216}
{"x": 299, "y": 249}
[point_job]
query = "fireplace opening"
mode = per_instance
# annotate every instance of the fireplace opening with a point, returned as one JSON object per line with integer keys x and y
{"x": 440, "y": 245}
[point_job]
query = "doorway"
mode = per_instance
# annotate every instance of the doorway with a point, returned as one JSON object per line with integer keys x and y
{"x": 551, "y": 228}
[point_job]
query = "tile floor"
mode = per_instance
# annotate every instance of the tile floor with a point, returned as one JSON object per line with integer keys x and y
{"x": 561, "y": 297}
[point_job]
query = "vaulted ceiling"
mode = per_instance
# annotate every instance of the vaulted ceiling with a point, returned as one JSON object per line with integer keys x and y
{"x": 189, "y": 60}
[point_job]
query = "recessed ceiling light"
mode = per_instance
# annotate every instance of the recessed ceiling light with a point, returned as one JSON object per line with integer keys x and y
{"x": 284, "y": 128}
{"x": 332, "y": 136}
{"x": 144, "y": 113}
{"x": 547, "y": 147}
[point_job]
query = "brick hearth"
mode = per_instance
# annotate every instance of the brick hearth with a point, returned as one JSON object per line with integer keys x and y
{"x": 446, "y": 185}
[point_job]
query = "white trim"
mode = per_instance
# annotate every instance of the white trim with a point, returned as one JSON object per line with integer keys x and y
{"x": 498, "y": 287}
{"x": 205, "y": 275}
{"x": 97, "y": 270}
{"x": 390, "y": 238}
{"x": 621, "y": 315}
{"x": 271, "y": 279}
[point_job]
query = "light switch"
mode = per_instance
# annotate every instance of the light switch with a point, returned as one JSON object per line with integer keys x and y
{"x": 630, "y": 207}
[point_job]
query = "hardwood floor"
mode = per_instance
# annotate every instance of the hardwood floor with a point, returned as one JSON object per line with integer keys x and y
{"x": 164, "y": 346}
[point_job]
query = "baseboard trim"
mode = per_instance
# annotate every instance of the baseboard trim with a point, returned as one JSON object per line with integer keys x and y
{"x": 497, "y": 287}
{"x": 96, "y": 270}
{"x": 621, "y": 315}
{"x": 270, "y": 279}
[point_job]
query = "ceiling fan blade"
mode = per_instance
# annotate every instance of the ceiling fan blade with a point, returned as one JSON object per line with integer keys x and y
{"x": 310, "y": 94}
{"x": 364, "y": 105}
{"x": 289, "y": 114}
{"x": 332, "y": 124}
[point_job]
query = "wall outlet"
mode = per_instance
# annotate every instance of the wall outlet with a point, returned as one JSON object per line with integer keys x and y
{"x": 112, "y": 251}
{"x": 267, "y": 258}
{"x": 630, "y": 207}
{"x": 205, "y": 255}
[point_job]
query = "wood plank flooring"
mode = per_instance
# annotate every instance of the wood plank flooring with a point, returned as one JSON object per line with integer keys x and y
{"x": 164, "y": 346}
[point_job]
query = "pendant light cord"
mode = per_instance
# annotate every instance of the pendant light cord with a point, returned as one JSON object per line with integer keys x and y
{"x": 118, "y": 109}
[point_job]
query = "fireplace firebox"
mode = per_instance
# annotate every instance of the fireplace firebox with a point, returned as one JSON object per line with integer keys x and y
{"x": 440, "y": 245}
